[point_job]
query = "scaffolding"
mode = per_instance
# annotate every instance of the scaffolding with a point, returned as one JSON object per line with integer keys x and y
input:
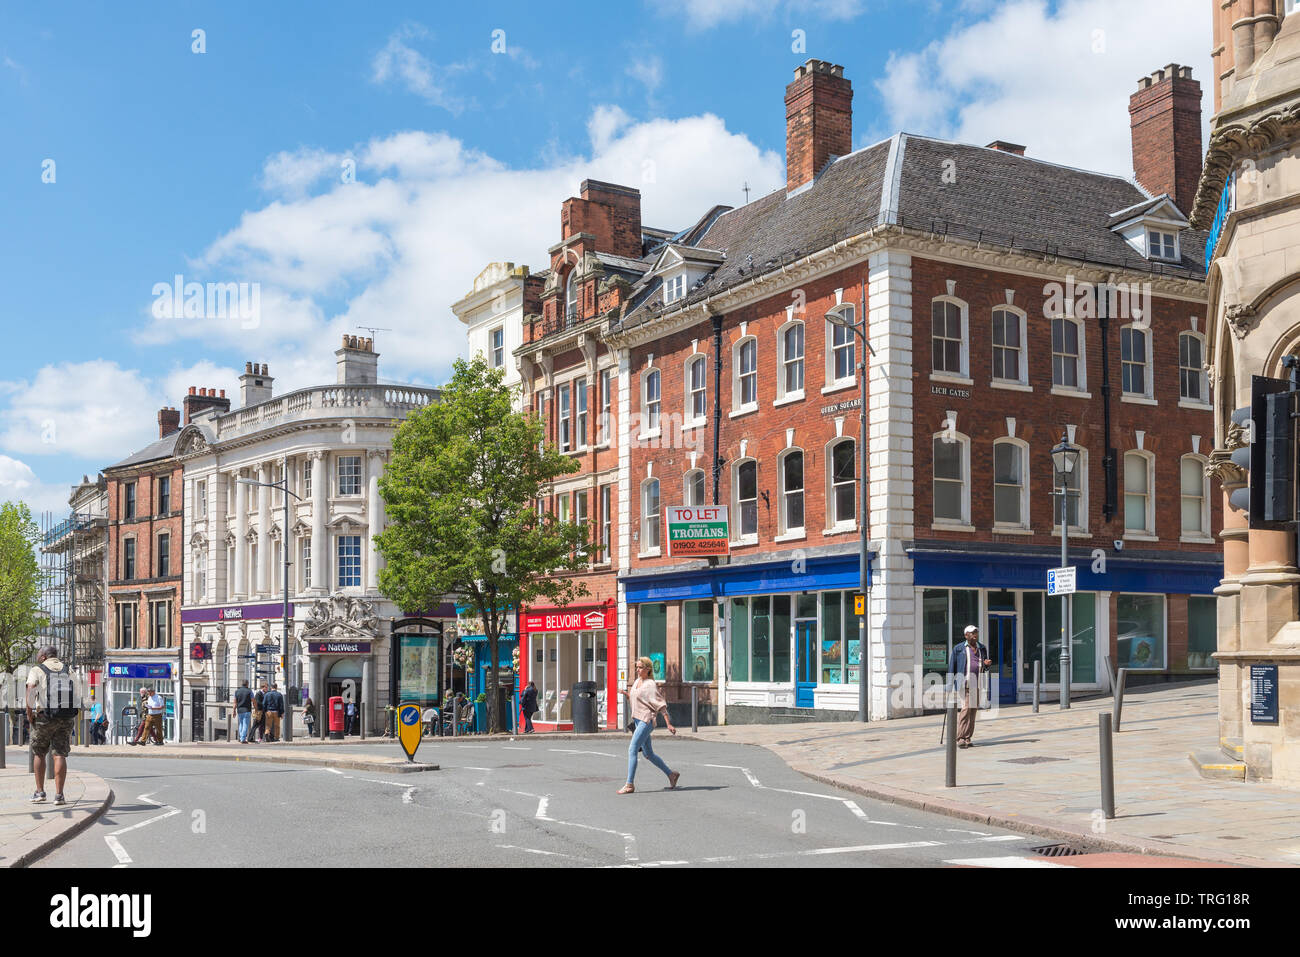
{"x": 74, "y": 559}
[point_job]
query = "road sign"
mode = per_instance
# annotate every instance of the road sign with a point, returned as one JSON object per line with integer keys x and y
{"x": 1061, "y": 581}
{"x": 859, "y": 605}
{"x": 268, "y": 649}
{"x": 409, "y": 729}
{"x": 697, "y": 531}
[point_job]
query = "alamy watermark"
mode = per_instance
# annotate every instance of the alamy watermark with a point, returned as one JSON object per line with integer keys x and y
{"x": 179, "y": 299}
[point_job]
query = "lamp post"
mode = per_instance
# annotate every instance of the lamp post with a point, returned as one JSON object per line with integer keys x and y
{"x": 1064, "y": 458}
{"x": 839, "y": 318}
{"x": 289, "y": 648}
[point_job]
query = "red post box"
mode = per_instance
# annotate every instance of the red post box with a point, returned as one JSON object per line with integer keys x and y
{"x": 337, "y": 718}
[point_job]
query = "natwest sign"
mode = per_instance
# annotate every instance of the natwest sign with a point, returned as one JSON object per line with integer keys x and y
{"x": 591, "y": 619}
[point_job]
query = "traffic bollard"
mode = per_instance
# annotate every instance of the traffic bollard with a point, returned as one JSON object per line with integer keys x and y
{"x": 230, "y": 727}
{"x": 950, "y": 739}
{"x": 362, "y": 716}
{"x": 1119, "y": 696}
{"x": 1037, "y": 666}
{"x": 695, "y": 709}
{"x": 1107, "y": 766}
{"x": 208, "y": 729}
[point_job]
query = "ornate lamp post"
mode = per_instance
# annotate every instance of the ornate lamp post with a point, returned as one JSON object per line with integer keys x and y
{"x": 1064, "y": 458}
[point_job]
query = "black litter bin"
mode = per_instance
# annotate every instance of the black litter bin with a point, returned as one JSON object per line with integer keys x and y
{"x": 584, "y": 707}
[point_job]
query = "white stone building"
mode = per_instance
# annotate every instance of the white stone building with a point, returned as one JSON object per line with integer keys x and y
{"x": 493, "y": 313}
{"x": 332, "y": 442}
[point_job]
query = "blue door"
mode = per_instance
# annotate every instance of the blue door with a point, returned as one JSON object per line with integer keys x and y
{"x": 805, "y": 649}
{"x": 1001, "y": 641}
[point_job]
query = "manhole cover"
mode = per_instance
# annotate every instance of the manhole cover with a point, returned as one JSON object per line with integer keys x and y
{"x": 1056, "y": 850}
{"x": 1036, "y": 759}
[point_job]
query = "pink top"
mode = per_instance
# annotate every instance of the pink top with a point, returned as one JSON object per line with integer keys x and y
{"x": 646, "y": 701}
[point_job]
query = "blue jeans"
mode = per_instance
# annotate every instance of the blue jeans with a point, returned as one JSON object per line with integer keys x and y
{"x": 245, "y": 722}
{"x": 641, "y": 742}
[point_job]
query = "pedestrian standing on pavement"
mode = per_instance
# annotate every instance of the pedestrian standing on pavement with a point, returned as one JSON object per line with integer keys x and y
{"x": 259, "y": 713}
{"x": 153, "y": 722}
{"x": 968, "y": 659}
{"x": 309, "y": 716}
{"x": 51, "y": 710}
{"x": 273, "y": 707}
{"x": 528, "y": 706}
{"x": 352, "y": 715}
{"x": 244, "y": 711}
{"x": 142, "y": 712}
{"x": 646, "y": 703}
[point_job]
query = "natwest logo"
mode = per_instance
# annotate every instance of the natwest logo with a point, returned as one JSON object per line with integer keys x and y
{"x": 228, "y": 614}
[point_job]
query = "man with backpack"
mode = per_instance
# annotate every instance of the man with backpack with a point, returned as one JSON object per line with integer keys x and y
{"x": 52, "y": 711}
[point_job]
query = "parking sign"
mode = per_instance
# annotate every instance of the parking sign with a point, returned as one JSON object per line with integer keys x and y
{"x": 1061, "y": 581}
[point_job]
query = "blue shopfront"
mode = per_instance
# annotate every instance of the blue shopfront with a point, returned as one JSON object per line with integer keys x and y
{"x": 1150, "y": 612}
{"x": 478, "y": 678}
{"x": 758, "y": 635}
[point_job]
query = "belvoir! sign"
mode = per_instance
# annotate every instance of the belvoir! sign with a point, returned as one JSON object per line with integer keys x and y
{"x": 597, "y": 619}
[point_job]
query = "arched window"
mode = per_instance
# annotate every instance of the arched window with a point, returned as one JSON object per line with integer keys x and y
{"x": 745, "y": 377}
{"x": 1192, "y": 386}
{"x": 792, "y": 488}
{"x": 1195, "y": 497}
{"x": 572, "y": 292}
{"x": 696, "y": 390}
{"x": 1138, "y": 474}
{"x": 951, "y": 478}
{"x": 841, "y": 493}
{"x": 1067, "y": 354}
{"x": 1010, "y": 483}
{"x": 1010, "y": 364}
{"x": 948, "y": 337}
{"x": 650, "y": 515}
{"x": 790, "y": 375}
{"x": 650, "y": 402}
{"x": 1135, "y": 360}
{"x": 746, "y": 491}
{"x": 693, "y": 487}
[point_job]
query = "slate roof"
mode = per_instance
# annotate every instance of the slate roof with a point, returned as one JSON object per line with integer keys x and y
{"x": 963, "y": 192}
{"x": 160, "y": 449}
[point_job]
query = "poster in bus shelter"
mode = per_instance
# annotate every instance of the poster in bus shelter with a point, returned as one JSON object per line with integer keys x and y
{"x": 418, "y": 667}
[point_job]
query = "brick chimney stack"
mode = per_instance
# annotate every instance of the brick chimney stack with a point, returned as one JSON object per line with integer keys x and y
{"x": 254, "y": 384}
{"x": 169, "y": 421}
{"x": 610, "y": 213}
{"x": 199, "y": 400}
{"x": 357, "y": 362}
{"x": 1002, "y": 146}
{"x": 1165, "y": 117}
{"x": 818, "y": 120}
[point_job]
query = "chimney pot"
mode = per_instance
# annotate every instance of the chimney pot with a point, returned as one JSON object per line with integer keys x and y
{"x": 223, "y": 393}
{"x": 248, "y": 368}
{"x": 191, "y": 390}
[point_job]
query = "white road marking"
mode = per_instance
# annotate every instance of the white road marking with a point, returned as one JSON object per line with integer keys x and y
{"x": 541, "y": 809}
{"x": 148, "y": 799}
{"x": 123, "y": 830}
{"x": 602, "y": 754}
{"x": 468, "y": 767}
{"x": 852, "y": 806}
{"x": 629, "y": 840}
{"x": 506, "y": 747}
{"x": 814, "y": 852}
{"x": 533, "y": 850}
{"x": 114, "y": 845}
{"x": 409, "y": 796}
{"x": 997, "y": 837}
{"x": 1003, "y": 862}
{"x": 477, "y": 747}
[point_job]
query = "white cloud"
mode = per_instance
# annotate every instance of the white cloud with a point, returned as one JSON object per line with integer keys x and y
{"x": 295, "y": 173}
{"x": 705, "y": 14}
{"x": 649, "y": 72}
{"x": 401, "y": 62}
{"x": 1057, "y": 80}
{"x": 18, "y": 483}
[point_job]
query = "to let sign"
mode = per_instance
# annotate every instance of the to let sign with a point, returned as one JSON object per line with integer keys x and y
{"x": 697, "y": 531}
{"x": 1061, "y": 581}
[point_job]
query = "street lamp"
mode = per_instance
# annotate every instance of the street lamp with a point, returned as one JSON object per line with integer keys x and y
{"x": 289, "y": 645}
{"x": 837, "y": 317}
{"x": 1064, "y": 458}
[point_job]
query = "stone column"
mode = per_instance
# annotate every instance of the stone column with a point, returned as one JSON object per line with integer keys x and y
{"x": 374, "y": 516}
{"x": 263, "y": 580}
{"x": 1236, "y": 562}
{"x": 241, "y": 530}
{"x": 320, "y": 548}
{"x": 368, "y": 694}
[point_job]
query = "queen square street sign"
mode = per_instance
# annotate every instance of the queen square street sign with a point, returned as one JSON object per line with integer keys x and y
{"x": 697, "y": 531}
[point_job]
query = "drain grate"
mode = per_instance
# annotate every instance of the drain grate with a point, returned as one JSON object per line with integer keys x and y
{"x": 1056, "y": 850}
{"x": 1036, "y": 759}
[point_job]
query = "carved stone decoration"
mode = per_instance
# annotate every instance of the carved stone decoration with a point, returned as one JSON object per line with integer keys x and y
{"x": 1241, "y": 316}
{"x": 341, "y": 616}
{"x": 1221, "y": 467}
{"x": 1228, "y": 146}
{"x": 1236, "y": 437}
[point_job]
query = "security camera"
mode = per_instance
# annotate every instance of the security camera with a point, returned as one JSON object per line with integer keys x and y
{"x": 1119, "y": 544}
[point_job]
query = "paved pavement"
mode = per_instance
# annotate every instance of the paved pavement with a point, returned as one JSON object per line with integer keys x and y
{"x": 537, "y": 803}
{"x": 1042, "y": 773}
{"x": 27, "y": 830}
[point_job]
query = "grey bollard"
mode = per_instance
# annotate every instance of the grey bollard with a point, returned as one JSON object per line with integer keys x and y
{"x": 4, "y": 738}
{"x": 1107, "y": 766}
{"x": 230, "y": 726}
{"x": 207, "y": 729}
{"x": 950, "y": 763}
{"x": 363, "y": 723}
{"x": 695, "y": 708}
{"x": 1119, "y": 696}
{"x": 1037, "y": 668}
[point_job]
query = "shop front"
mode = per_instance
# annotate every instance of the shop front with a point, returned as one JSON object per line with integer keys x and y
{"x": 765, "y": 636}
{"x": 562, "y": 646}
{"x": 1152, "y": 614}
{"x": 124, "y": 682}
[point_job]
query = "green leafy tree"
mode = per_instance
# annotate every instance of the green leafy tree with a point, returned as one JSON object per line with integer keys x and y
{"x": 21, "y": 581}
{"x": 461, "y": 491}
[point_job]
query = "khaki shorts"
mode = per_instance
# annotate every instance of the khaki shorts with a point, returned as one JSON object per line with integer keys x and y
{"x": 52, "y": 734}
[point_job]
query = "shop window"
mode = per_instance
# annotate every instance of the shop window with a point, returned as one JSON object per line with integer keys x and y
{"x": 1202, "y": 632}
{"x": 761, "y": 639}
{"x": 760, "y": 636}
{"x": 739, "y": 628}
{"x": 1041, "y": 638}
{"x": 652, "y": 636}
{"x": 841, "y": 642}
{"x": 697, "y": 641}
{"x": 945, "y": 613}
{"x": 1140, "y": 632}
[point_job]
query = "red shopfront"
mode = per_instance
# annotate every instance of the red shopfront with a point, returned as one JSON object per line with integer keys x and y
{"x": 561, "y": 646}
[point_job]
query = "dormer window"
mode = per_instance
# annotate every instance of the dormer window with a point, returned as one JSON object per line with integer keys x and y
{"x": 674, "y": 288}
{"x": 1161, "y": 245}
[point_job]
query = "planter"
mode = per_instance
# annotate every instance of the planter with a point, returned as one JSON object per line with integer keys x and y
{"x": 480, "y": 717}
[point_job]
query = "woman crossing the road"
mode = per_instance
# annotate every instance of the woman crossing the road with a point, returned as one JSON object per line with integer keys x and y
{"x": 646, "y": 703}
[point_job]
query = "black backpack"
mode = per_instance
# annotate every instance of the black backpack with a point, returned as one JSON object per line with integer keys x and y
{"x": 60, "y": 693}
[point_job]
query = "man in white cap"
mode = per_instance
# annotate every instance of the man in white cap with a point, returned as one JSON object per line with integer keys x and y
{"x": 968, "y": 659}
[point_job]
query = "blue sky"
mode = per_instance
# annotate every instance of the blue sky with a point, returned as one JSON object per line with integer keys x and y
{"x": 228, "y": 165}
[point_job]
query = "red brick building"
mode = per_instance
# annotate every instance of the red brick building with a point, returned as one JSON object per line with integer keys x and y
{"x": 1009, "y": 302}
{"x": 145, "y": 565}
